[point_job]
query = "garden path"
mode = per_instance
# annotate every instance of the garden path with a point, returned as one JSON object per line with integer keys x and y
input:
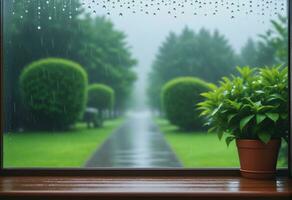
{"x": 138, "y": 143}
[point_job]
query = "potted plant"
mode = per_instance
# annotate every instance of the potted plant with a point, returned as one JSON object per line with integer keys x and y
{"x": 252, "y": 109}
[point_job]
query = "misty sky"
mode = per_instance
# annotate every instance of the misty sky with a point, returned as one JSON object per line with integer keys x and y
{"x": 148, "y": 27}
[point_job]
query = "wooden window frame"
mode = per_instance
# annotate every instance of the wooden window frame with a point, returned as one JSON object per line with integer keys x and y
{"x": 134, "y": 172}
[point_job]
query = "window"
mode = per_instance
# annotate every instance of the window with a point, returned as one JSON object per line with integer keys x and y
{"x": 88, "y": 83}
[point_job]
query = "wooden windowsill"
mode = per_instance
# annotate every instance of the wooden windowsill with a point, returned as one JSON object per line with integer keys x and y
{"x": 199, "y": 187}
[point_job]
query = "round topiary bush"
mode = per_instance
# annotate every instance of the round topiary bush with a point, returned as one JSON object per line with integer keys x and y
{"x": 101, "y": 97}
{"x": 179, "y": 99}
{"x": 54, "y": 92}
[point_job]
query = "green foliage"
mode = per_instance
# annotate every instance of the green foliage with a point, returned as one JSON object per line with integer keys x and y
{"x": 107, "y": 58}
{"x": 54, "y": 92}
{"x": 93, "y": 42}
{"x": 270, "y": 49}
{"x": 101, "y": 97}
{"x": 253, "y": 105}
{"x": 249, "y": 54}
{"x": 202, "y": 54}
{"x": 179, "y": 99}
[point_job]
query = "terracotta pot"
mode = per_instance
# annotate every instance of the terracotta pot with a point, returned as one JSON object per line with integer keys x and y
{"x": 257, "y": 159}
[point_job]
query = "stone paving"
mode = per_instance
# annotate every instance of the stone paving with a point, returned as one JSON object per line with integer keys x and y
{"x": 138, "y": 143}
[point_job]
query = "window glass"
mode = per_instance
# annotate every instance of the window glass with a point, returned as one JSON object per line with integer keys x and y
{"x": 124, "y": 83}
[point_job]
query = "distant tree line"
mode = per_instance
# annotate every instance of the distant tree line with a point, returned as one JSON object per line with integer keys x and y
{"x": 271, "y": 48}
{"x": 209, "y": 56}
{"x": 65, "y": 32}
{"x": 202, "y": 54}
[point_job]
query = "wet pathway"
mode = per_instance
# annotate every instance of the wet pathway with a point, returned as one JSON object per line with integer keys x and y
{"x": 138, "y": 143}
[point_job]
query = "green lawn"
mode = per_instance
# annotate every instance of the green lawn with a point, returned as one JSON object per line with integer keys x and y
{"x": 58, "y": 149}
{"x": 199, "y": 149}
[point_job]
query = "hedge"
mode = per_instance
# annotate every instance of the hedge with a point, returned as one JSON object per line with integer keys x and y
{"x": 101, "y": 97}
{"x": 54, "y": 92}
{"x": 179, "y": 98}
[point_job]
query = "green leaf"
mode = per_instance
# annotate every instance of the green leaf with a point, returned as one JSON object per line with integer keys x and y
{"x": 211, "y": 129}
{"x": 264, "y": 137}
{"x": 276, "y": 98}
{"x": 217, "y": 109}
{"x": 224, "y": 111}
{"x": 258, "y": 103}
{"x": 284, "y": 116}
{"x": 286, "y": 138}
{"x": 260, "y": 118}
{"x": 273, "y": 116}
{"x": 246, "y": 107}
{"x": 265, "y": 108}
{"x": 248, "y": 100}
{"x": 220, "y": 134}
{"x": 234, "y": 104}
{"x": 259, "y": 92}
{"x": 245, "y": 121}
{"x": 230, "y": 117}
{"x": 229, "y": 139}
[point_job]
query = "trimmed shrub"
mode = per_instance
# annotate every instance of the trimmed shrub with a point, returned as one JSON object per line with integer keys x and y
{"x": 101, "y": 97}
{"x": 54, "y": 92}
{"x": 179, "y": 99}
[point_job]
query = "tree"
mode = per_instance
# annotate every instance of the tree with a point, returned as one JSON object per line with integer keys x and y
{"x": 32, "y": 34}
{"x": 205, "y": 55}
{"x": 36, "y": 30}
{"x": 107, "y": 59}
{"x": 275, "y": 41}
{"x": 249, "y": 54}
{"x": 271, "y": 48}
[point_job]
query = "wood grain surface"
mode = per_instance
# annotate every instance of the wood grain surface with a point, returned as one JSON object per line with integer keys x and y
{"x": 201, "y": 187}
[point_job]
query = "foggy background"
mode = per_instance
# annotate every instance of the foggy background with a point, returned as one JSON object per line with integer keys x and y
{"x": 147, "y": 26}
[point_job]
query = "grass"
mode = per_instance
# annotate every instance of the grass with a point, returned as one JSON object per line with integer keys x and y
{"x": 201, "y": 149}
{"x": 198, "y": 149}
{"x": 59, "y": 149}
